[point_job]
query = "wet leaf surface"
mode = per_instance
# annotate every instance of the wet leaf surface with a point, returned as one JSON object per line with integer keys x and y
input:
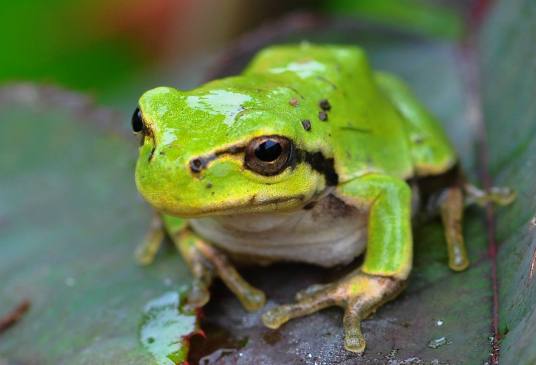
{"x": 508, "y": 88}
{"x": 70, "y": 218}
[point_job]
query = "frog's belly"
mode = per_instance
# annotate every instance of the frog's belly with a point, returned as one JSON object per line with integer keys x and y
{"x": 331, "y": 233}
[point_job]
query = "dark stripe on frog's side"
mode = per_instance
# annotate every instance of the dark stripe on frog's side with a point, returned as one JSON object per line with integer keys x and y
{"x": 317, "y": 161}
{"x": 200, "y": 163}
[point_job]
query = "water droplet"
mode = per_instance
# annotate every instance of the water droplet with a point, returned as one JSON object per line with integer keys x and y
{"x": 439, "y": 322}
{"x": 164, "y": 328}
{"x": 437, "y": 342}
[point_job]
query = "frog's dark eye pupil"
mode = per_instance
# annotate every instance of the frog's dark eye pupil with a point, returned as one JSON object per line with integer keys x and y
{"x": 268, "y": 155}
{"x": 268, "y": 151}
{"x": 137, "y": 121}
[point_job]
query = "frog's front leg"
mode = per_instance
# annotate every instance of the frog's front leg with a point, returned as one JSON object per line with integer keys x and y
{"x": 147, "y": 250}
{"x": 385, "y": 269}
{"x": 206, "y": 262}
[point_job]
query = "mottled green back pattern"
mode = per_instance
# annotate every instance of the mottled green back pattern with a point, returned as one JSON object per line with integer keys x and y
{"x": 344, "y": 119}
{"x": 367, "y": 130}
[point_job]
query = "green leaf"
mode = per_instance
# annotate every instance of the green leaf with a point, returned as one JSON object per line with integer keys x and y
{"x": 422, "y": 17}
{"x": 508, "y": 78}
{"x": 70, "y": 218}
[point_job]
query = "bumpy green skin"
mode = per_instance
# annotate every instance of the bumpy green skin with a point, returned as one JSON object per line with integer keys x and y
{"x": 374, "y": 126}
{"x": 357, "y": 134}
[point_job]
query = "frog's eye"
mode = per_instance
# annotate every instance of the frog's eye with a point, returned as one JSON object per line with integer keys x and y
{"x": 268, "y": 155}
{"x": 137, "y": 121}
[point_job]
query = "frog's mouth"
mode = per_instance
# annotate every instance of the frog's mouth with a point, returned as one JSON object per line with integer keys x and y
{"x": 252, "y": 205}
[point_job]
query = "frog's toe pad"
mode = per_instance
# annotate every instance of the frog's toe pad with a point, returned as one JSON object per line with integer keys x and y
{"x": 196, "y": 297}
{"x": 253, "y": 299}
{"x": 354, "y": 340}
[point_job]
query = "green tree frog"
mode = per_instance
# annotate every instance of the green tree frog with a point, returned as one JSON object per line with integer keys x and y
{"x": 307, "y": 156}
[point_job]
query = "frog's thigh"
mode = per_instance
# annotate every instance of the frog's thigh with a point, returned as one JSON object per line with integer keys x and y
{"x": 389, "y": 246}
{"x": 204, "y": 261}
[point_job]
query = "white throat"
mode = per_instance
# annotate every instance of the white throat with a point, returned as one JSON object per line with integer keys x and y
{"x": 330, "y": 233}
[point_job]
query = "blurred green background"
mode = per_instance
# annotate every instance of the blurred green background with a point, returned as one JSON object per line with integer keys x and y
{"x": 115, "y": 49}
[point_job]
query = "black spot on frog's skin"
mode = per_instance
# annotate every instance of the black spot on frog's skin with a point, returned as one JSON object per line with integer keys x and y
{"x": 306, "y": 123}
{"x": 323, "y": 116}
{"x": 324, "y": 105}
{"x": 417, "y": 139}
{"x": 208, "y": 186}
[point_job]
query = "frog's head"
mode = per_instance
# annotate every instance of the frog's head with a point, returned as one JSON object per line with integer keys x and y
{"x": 227, "y": 150}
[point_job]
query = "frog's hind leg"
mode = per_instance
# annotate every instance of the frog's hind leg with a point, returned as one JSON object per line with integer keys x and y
{"x": 451, "y": 205}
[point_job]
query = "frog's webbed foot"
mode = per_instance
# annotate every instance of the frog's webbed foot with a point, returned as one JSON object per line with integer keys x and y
{"x": 205, "y": 263}
{"x": 495, "y": 195}
{"x": 358, "y": 293}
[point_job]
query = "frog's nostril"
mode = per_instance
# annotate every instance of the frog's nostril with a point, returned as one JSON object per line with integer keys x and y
{"x": 197, "y": 164}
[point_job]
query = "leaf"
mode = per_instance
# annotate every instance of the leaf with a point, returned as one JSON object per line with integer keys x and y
{"x": 422, "y": 17}
{"x": 70, "y": 219}
{"x": 508, "y": 89}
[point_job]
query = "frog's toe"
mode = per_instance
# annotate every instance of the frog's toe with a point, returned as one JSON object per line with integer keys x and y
{"x": 307, "y": 304}
{"x": 358, "y": 293}
{"x": 252, "y": 299}
{"x": 495, "y": 195}
{"x": 353, "y": 337}
{"x": 197, "y": 297}
{"x": 501, "y": 195}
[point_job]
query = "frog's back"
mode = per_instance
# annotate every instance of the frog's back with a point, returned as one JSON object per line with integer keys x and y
{"x": 364, "y": 129}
